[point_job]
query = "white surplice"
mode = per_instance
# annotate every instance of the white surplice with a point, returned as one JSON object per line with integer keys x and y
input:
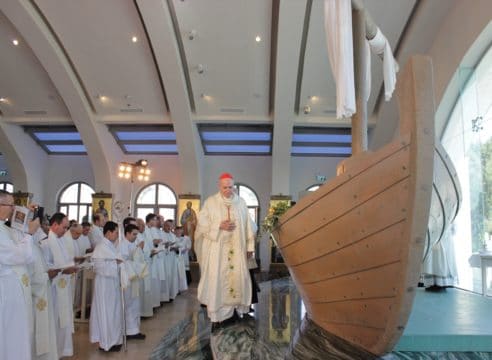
{"x": 146, "y": 308}
{"x": 225, "y": 283}
{"x": 62, "y": 293}
{"x": 44, "y": 344}
{"x": 184, "y": 245}
{"x": 157, "y": 273}
{"x": 15, "y": 342}
{"x": 171, "y": 263}
{"x": 84, "y": 244}
{"x": 105, "y": 324}
{"x": 136, "y": 269}
{"x": 96, "y": 235}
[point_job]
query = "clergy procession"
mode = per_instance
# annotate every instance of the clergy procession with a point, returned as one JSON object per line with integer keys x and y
{"x": 137, "y": 266}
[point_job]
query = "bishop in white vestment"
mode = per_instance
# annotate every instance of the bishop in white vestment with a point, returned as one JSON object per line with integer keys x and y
{"x": 226, "y": 232}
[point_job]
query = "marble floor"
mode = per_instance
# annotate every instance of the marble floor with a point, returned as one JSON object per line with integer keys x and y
{"x": 181, "y": 330}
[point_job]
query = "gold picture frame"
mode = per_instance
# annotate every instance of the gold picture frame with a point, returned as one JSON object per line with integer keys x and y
{"x": 102, "y": 203}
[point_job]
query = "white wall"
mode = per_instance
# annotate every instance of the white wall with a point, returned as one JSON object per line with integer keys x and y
{"x": 455, "y": 31}
{"x": 304, "y": 171}
{"x": 62, "y": 170}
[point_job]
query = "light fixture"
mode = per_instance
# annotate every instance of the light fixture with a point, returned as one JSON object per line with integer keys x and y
{"x": 130, "y": 171}
{"x": 134, "y": 39}
{"x": 258, "y": 38}
{"x": 3, "y": 99}
{"x": 15, "y": 42}
{"x": 200, "y": 68}
{"x": 192, "y": 34}
{"x": 307, "y": 109}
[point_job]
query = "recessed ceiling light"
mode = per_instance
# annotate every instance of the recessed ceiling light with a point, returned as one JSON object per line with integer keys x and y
{"x": 15, "y": 42}
{"x": 3, "y": 99}
{"x": 258, "y": 38}
{"x": 134, "y": 39}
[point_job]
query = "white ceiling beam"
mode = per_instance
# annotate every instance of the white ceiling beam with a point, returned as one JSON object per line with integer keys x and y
{"x": 290, "y": 29}
{"x": 33, "y": 29}
{"x": 158, "y": 21}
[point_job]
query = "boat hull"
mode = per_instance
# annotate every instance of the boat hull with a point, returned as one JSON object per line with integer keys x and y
{"x": 354, "y": 247}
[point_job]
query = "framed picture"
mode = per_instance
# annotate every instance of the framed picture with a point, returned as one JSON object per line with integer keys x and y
{"x": 102, "y": 204}
{"x": 22, "y": 198}
{"x": 19, "y": 218}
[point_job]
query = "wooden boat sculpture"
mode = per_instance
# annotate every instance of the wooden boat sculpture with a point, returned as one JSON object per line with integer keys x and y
{"x": 354, "y": 247}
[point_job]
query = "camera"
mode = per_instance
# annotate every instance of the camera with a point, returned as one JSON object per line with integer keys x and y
{"x": 38, "y": 213}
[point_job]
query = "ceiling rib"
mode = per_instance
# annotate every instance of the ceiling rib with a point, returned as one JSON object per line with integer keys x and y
{"x": 161, "y": 83}
{"x": 302, "y": 54}
{"x": 182, "y": 54}
{"x": 65, "y": 53}
{"x": 273, "y": 54}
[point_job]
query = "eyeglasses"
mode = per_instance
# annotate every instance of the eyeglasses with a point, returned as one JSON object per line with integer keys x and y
{"x": 11, "y": 205}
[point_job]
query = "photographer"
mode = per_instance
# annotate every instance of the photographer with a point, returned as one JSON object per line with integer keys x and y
{"x": 15, "y": 342}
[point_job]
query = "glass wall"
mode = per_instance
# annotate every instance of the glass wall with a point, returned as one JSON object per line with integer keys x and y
{"x": 468, "y": 141}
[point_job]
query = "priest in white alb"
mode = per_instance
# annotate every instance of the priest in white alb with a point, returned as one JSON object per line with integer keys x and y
{"x": 226, "y": 233}
{"x": 136, "y": 268}
{"x": 106, "y": 322}
{"x": 44, "y": 341}
{"x": 59, "y": 258}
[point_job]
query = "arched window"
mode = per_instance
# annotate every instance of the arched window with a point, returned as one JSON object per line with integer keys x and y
{"x": 251, "y": 200}
{"x": 76, "y": 201}
{"x": 7, "y": 186}
{"x": 157, "y": 199}
{"x": 313, "y": 187}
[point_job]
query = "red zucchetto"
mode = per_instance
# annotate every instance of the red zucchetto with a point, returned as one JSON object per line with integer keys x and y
{"x": 225, "y": 176}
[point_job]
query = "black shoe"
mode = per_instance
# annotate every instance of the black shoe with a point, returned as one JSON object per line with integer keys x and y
{"x": 138, "y": 336}
{"x": 203, "y": 305}
{"x": 114, "y": 348}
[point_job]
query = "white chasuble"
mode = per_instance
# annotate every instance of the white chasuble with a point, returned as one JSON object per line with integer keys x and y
{"x": 225, "y": 283}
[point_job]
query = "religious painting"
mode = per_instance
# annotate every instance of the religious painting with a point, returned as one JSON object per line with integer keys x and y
{"x": 102, "y": 203}
{"x": 188, "y": 207}
{"x": 22, "y": 198}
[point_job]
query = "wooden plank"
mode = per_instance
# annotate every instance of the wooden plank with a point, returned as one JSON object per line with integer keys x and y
{"x": 373, "y": 313}
{"x": 363, "y": 284}
{"x": 372, "y": 252}
{"x": 371, "y": 217}
{"x": 354, "y": 192}
{"x": 353, "y": 166}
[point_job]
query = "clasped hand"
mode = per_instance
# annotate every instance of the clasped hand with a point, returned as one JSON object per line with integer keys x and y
{"x": 227, "y": 225}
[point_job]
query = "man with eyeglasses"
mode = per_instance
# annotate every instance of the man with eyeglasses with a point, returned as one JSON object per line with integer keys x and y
{"x": 59, "y": 258}
{"x": 15, "y": 342}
